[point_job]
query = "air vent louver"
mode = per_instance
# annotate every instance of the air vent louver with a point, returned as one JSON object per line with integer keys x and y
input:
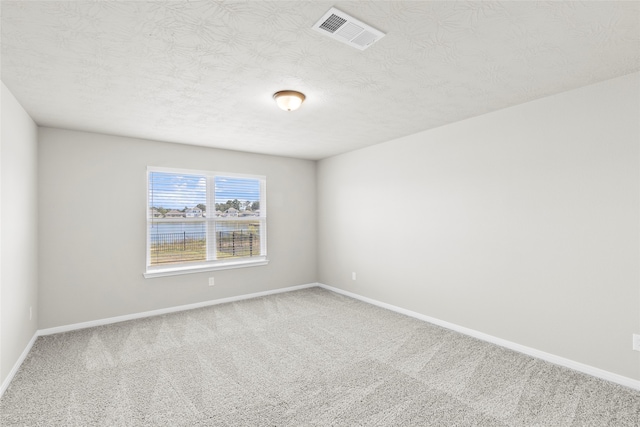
{"x": 332, "y": 23}
{"x": 342, "y": 27}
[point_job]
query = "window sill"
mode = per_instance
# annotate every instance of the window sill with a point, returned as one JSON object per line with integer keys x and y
{"x": 177, "y": 271}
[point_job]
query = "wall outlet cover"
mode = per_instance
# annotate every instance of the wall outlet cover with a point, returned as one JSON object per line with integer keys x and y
{"x": 636, "y": 342}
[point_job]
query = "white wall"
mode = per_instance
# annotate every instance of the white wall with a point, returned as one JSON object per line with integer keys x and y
{"x": 92, "y": 193}
{"x": 18, "y": 246}
{"x": 522, "y": 224}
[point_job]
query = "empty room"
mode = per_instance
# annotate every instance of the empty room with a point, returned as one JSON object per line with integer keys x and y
{"x": 310, "y": 213}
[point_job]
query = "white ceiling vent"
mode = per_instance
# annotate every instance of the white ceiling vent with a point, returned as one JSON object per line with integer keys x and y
{"x": 347, "y": 29}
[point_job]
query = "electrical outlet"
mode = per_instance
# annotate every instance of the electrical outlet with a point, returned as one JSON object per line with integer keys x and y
{"x": 211, "y": 281}
{"x": 353, "y": 276}
{"x": 636, "y": 342}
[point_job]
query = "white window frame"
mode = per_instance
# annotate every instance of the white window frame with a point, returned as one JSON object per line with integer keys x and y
{"x": 211, "y": 264}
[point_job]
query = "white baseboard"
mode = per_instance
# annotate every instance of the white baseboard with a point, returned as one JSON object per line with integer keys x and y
{"x": 133, "y": 316}
{"x": 552, "y": 358}
{"x": 16, "y": 366}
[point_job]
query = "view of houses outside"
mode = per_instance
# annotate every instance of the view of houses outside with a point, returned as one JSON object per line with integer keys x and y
{"x": 244, "y": 209}
{"x": 178, "y": 218}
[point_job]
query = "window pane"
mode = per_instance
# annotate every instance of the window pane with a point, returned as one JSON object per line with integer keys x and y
{"x": 237, "y": 239}
{"x": 174, "y": 242}
{"x": 177, "y": 196}
{"x": 237, "y": 197}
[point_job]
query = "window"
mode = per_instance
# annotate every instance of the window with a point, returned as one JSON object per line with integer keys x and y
{"x": 200, "y": 221}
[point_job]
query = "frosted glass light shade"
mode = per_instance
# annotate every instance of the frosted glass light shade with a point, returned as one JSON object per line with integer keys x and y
{"x": 289, "y": 100}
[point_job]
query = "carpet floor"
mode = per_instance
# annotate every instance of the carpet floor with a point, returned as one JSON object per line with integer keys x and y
{"x": 302, "y": 358}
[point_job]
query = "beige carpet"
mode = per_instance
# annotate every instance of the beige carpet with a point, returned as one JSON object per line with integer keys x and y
{"x": 304, "y": 358}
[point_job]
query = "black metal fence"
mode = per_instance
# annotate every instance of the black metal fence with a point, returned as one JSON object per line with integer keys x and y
{"x": 237, "y": 243}
{"x": 178, "y": 247}
{"x": 186, "y": 246}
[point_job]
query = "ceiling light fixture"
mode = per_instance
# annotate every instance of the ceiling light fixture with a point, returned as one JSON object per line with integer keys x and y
{"x": 289, "y": 100}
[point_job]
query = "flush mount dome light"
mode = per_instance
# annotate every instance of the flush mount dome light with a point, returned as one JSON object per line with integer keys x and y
{"x": 289, "y": 100}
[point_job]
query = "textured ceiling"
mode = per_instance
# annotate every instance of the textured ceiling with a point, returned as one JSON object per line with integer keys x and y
{"x": 203, "y": 72}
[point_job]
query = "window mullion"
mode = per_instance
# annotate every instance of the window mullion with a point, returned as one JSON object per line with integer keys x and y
{"x": 211, "y": 214}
